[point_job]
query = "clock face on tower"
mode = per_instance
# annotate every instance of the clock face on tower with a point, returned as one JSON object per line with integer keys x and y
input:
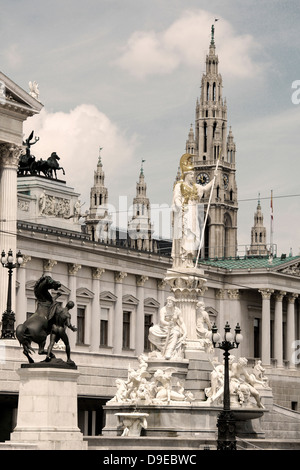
{"x": 202, "y": 179}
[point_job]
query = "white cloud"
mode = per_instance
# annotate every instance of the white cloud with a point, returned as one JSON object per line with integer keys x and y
{"x": 76, "y": 137}
{"x": 185, "y": 43}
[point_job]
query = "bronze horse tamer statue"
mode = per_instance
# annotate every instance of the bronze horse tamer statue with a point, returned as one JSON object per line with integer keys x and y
{"x": 38, "y": 326}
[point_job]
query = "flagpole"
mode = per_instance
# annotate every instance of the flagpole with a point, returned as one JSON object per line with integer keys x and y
{"x": 271, "y": 225}
{"x": 207, "y": 210}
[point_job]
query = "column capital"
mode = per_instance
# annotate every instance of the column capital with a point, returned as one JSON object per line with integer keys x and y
{"x": 140, "y": 280}
{"x": 97, "y": 272}
{"x": 292, "y": 297}
{"x": 73, "y": 269}
{"x": 48, "y": 264}
{"x": 26, "y": 258}
{"x": 161, "y": 283}
{"x": 266, "y": 293}
{"x": 233, "y": 294}
{"x": 220, "y": 294}
{"x": 279, "y": 295}
{"x": 9, "y": 155}
{"x": 119, "y": 276}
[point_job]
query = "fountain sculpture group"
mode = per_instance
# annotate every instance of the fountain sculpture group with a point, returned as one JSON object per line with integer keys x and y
{"x": 155, "y": 399}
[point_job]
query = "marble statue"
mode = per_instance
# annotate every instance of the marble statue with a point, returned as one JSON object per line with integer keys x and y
{"x": 186, "y": 210}
{"x": 242, "y": 384}
{"x": 34, "y": 90}
{"x": 203, "y": 327}
{"x": 259, "y": 373}
{"x": 168, "y": 336}
{"x": 144, "y": 388}
{"x": 164, "y": 390}
{"x": 2, "y": 90}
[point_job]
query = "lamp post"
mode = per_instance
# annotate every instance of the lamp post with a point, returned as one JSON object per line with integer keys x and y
{"x": 226, "y": 421}
{"x": 8, "y": 317}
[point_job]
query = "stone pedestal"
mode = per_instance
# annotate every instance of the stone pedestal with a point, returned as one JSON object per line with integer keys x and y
{"x": 47, "y": 410}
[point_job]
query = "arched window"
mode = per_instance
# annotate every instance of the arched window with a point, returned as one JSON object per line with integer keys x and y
{"x": 205, "y": 137}
{"x": 214, "y": 129}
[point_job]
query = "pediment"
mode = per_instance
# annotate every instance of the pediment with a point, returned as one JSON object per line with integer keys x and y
{"x": 83, "y": 292}
{"x": 292, "y": 269}
{"x": 30, "y": 286}
{"x": 13, "y": 96}
{"x": 108, "y": 296}
{"x": 130, "y": 299}
{"x": 150, "y": 302}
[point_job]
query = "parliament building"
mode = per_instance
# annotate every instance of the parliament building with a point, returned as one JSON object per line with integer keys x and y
{"x": 117, "y": 282}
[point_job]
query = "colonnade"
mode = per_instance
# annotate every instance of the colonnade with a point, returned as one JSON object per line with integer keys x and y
{"x": 278, "y": 346}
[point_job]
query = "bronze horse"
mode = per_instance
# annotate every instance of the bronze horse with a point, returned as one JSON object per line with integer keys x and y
{"x": 38, "y": 326}
{"x": 49, "y": 166}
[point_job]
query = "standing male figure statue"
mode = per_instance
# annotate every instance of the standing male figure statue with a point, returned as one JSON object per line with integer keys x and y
{"x": 61, "y": 320}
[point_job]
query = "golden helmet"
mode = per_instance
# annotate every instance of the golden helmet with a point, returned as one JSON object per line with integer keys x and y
{"x": 186, "y": 163}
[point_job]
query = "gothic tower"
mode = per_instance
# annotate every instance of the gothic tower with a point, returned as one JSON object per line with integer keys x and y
{"x": 98, "y": 220}
{"x": 258, "y": 234}
{"x": 139, "y": 227}
{"x": 207, "y": 144}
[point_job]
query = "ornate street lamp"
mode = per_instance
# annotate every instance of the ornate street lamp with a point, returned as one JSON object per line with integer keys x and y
{"x": 8, "y": 317}
{"x": 226, "y": 421}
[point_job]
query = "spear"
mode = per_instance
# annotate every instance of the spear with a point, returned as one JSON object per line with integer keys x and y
{"x": 206, "y": 215}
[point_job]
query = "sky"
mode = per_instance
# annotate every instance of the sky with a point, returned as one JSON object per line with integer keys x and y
{"x": 124, "y": 75}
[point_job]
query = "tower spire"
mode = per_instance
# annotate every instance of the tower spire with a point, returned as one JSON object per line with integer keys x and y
{"x": 258, "y": 245}
{"x": 140, "y": 227}
{"x": 98, "y": 220}
{"x": 212, "y": 41}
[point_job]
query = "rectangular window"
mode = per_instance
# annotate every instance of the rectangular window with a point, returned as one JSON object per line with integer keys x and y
{"x": 256, "y": 337}
{"x": 126, "y": 330}
{"x": 148, "y": 323}
{"x": 80, "y": 324}
{"x": 104, "y": 327}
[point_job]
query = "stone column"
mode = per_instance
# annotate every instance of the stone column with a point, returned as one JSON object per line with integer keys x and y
{"x": 96, "y": 309}
{"x": 291, "y": 336}
{"x": 235, "y": 316}
{"x": 72, "y": 270}
{"x": 161, "y": 285}
{"x": 266, "y": 326}
{"x": 140, "y": 317}
{"x": 278, "y": 330}
{"x": 222, "y": 307}
{"x": 21, "y": 300}
{"x": 118, "y": 320}
{"x": 9, "y": 159}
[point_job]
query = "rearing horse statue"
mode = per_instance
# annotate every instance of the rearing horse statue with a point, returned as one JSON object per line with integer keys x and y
{"x": 38, "y": 326}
